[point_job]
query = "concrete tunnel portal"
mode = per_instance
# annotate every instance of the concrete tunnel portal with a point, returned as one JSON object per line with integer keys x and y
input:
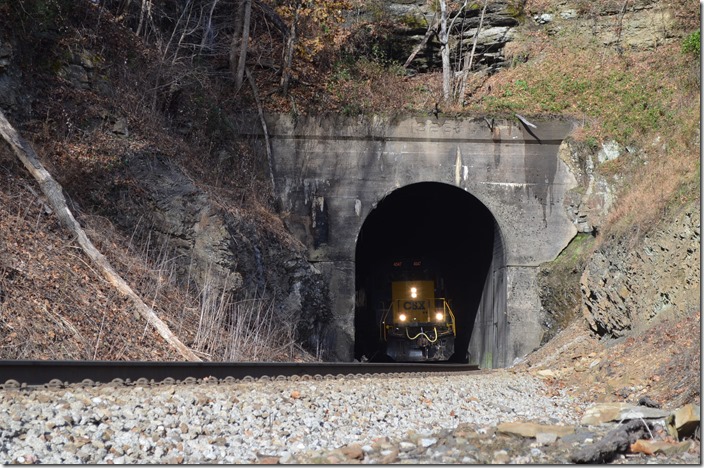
{"x": 489, "y": 200}
{"x": 450, "y": 230}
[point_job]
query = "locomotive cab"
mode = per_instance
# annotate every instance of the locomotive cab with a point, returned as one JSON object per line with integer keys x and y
{"x": 417, "y": 325}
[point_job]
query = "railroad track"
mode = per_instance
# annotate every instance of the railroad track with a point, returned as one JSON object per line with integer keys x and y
{"x": 21, "y": 374}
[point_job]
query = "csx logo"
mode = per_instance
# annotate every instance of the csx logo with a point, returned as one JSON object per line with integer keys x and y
{"x": 414, "y": 305}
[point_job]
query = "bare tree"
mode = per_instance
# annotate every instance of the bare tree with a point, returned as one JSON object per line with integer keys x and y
{"x": 145, "y": 11}
{"x": 432, "y": 29}
{"x": 454, "y": 81}
{"x": 469, "y": 58}
{"x": 262, "y": 120}
{"x": 288, "y": 55}
{"x": 208, "y": 33}
{"x": 444, "y": 37}
{"x": 240, "y": 42}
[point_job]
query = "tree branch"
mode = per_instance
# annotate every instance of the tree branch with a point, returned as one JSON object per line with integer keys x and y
{"x": 267, "y": 143}
{"x": 431, "y": 29}
{"x": 469, "y": 59}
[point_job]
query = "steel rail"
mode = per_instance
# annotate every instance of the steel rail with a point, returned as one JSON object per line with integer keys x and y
{"x": 39, "y": 372}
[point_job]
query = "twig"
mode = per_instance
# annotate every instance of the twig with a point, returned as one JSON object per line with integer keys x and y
{"x": 100, "y": 334}
{"x": 619, "y": 27}
{"x": 647, "y": 427}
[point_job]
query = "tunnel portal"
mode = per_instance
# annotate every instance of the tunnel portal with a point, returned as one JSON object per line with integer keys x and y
{"x": 357, "y": 190}
{"x": 442, "y": 226}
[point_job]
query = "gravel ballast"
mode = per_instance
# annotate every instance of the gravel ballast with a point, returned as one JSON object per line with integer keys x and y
{"x": 275, "y": 421}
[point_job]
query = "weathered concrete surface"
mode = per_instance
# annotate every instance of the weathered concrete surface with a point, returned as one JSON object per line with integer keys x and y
{"x": 331, "y": 171}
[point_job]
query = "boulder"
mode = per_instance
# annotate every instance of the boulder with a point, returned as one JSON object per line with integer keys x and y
{"x": 607, "y": 412}
{"x": 684, "y": 421}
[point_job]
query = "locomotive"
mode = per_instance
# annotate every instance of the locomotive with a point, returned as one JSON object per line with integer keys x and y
{"x": 418, "y": 323}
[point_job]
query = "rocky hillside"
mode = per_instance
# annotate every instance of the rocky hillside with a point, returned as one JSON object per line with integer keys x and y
{"x": 178, "y": 205}
{"x": 129, "y": 111}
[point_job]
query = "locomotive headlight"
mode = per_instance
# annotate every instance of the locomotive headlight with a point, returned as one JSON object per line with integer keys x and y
{"x": 402, "y": 317}
{"x": 439, "y": 316}
{"x": 414, "y": 293}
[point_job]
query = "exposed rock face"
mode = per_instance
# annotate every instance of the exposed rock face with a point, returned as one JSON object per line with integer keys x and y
{"x": 223, "y": 250}
{"x": 627, "y": 287}
{"x": 640, "y": 24}
{"x": 180, "y": 214}
{"x": 10, "y": 77}
{"x": 587, "y": 206}
{"x": 497, "y": 30}
{"x": 589, "y": 203}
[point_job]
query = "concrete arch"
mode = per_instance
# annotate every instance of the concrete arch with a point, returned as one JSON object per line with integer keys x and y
{"x": 454, "y": 232}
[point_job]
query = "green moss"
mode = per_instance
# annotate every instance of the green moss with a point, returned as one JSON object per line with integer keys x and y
{"x": 413, "y": 22}
{"x": 560, "y": 293}
{"x": 487, "y": 361}
{"x": 516, "y": 9}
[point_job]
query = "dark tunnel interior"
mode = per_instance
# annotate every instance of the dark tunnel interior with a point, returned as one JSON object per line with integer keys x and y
{"x": 442, "y": 225}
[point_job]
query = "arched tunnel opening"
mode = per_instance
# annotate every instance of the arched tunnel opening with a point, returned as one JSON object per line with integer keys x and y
{"x": 442, "y": 230}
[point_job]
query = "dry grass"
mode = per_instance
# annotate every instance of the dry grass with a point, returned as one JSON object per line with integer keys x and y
{"x": 662, "y": 362}
{"x": 655, "y": 191}
{"x": 647, "y": 101}
{"x": 210, "y": 320}
{"x": 244, "y": 330}
{"x": 367, "y": 86}
{"x": 54, "y": 305}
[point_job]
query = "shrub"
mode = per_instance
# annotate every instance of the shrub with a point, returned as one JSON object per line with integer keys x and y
{"x": 692, "y": 44}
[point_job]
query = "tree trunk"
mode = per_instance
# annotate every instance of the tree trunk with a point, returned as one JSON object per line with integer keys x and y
{"x": 206, "y": 41}
{"x": 288, "y": 57}
{"x": 54, "y": 194}
{"x": 240, "y": 42}
{"x": 267, "y": 143}
{"x": 145, "y": 11}
{"x": 469, "y": 58}
{"x": 445, "y": 51}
